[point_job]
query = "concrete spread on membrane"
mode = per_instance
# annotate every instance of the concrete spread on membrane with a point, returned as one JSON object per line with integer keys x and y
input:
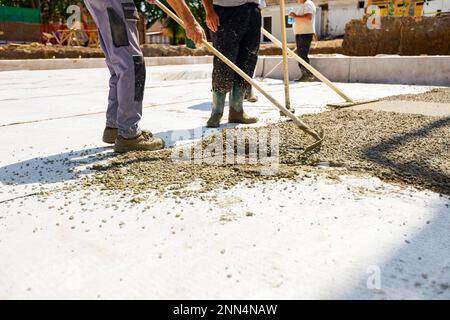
{"x": 314, "y": 238}
{"x": 434, "y": 109}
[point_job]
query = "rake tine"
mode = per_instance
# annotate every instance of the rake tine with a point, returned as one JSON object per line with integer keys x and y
{"x": 315, "y": 145}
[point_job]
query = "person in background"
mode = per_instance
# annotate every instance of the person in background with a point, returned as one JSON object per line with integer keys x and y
{"x": 304, "y": 30}
{"x": 250, "y": 96}
{"x": 236, "y": 28}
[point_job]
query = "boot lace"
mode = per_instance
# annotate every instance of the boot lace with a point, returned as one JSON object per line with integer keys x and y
{"x": 146, "y": 135}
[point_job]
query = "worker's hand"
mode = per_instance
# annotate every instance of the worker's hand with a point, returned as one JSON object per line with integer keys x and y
{"x": 195, "y": 32}
{"x": 212, "y": 21}
{"x": 292, "y": 14}
{"x": 151, "y": 1}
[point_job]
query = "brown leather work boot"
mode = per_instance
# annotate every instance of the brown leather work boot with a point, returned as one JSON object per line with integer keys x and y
{"x": 110, "y": 135}
{"x": 143, "y": 142}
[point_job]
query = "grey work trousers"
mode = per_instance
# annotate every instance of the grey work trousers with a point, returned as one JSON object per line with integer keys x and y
{"x": 117, "y": 24}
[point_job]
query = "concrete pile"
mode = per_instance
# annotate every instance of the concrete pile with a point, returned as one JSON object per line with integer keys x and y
{"x": 396, "y": 147}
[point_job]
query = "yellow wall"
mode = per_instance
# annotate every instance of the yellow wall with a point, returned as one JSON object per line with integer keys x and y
{"x": 401, "y": 7}
{"x": 418, "y": 8}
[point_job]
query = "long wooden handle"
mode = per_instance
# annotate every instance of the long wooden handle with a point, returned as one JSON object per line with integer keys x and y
{"x": 307, "y": 66}
{"x": 249, "y": 79}
{"x": 285, "y": 54}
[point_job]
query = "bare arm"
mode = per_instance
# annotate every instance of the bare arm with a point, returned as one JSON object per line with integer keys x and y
{"x": 193, "y": 30}
{"x": 208, "y": 5}
{"x": 183, "y": 11}
{"x": 212, "y": 19}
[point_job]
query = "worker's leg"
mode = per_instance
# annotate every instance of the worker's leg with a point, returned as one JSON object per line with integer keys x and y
{"x": 249, "y": 44}
{"x": 250, "y": 95}
{"x": 237, "y": 114}
{"x": 113, "y": 102}
{"x": 111, "y": 131}
{"x": 303, "y": 47}
{"x": 246, "y": 60}
{"x": 116, "y": 21}
{"x": 226, "y": 40}
{"x": 218, "y": 104}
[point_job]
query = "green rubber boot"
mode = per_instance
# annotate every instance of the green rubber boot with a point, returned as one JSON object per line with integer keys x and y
{"x": 217, "y": 109}
{"x": 237, "y": 114}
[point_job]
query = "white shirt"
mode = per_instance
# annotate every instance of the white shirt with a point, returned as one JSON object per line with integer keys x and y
{"x": 262, "y": 4}
{"x": 309, "y": 26}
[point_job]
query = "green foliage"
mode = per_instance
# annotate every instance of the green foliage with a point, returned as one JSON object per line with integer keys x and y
{"x": 55, "y": 11}
{"x": 51, "y": 10}
{"x": 154, "y": 14}
{"x": 391, "y": 8}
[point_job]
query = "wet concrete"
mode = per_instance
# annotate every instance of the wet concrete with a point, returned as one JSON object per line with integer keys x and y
{"x": 439, "y": 95}
{"x": 435, "y": 102}
{"x": 413, "y": 107}
{"x": 401, "y": 148}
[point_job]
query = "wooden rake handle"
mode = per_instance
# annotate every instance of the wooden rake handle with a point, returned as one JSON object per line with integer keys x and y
{"x": 314, "y": 71}
{"x": 249, "y": 79}
{"x": 285, "y": 55}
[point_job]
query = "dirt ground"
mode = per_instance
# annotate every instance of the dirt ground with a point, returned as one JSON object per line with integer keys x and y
{"x": 38, "y": 51}
{"x": 317, "y": 47}
{"x": 401, "y": 148}
{"x": 399, "y": 35}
